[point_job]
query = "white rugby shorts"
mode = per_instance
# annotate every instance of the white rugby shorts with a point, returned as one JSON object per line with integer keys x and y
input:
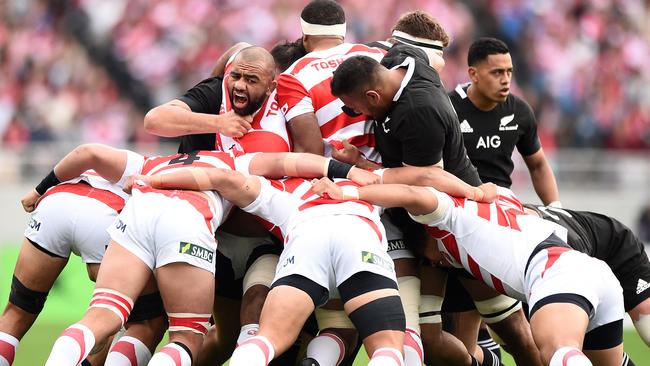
{"x": 160, "y": 229}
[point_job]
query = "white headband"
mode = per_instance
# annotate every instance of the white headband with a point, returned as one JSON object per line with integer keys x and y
{"x": 417, "y": 41}
{"x": 309, "y": 29}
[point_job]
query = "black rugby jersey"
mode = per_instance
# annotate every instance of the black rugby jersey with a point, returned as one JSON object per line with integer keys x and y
{"x": 491, "y": 136}
{"x": 421, "y": 127}
{"x": 597, "y": 235}
{"x": 204, "y": 97}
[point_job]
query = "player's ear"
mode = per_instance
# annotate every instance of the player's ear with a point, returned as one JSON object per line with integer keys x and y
{"x": 372, "y": 97}
{"x": 473, "y": 74}
{"x": 272, "y": 85}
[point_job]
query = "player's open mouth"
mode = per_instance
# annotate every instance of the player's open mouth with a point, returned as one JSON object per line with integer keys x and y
{"x": 239, "y": 100}
{"x": 504, "y": 91}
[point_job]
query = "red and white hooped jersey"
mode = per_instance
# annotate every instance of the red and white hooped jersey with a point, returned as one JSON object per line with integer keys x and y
{"x": 269, "y": 127}
{"x": 217, "y": 209}
{"x": 287, "y": 202}
{"x": 491, "y": 241}
{"x": 305, "y": 87}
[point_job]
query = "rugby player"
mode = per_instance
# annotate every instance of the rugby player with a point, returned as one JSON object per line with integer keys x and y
{"x": 607, "y": 239}
{"x": 575, "y": 301}
{"x": 54, "y": 232}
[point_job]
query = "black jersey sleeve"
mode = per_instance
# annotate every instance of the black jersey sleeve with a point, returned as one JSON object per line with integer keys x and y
{"x": 204, "y": 97}
{"x": 422, "y": 136}
{"x": 529, "y": 143}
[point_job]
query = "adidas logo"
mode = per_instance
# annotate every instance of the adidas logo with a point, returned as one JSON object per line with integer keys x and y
{"x": 465, "y": 127}
{"x": 642, "y": 286}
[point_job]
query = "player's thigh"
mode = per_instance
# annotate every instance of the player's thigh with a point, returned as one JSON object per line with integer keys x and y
{"x": 37, "y": 270}
{"x": 185, "y": 288}
{"x": 559, "y": 324}
{"x": 123, "y": 271}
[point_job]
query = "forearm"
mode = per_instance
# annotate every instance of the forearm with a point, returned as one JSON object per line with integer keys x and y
{"x": 366, "y": 164}
{"x": 175, "y": 119}
{"x": 416, "y": 200}
{"x": 545, "y": 184}
{"x": 435, "y": 177}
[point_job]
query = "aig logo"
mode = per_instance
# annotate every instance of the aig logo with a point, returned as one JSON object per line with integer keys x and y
{"x": 488, "y": 142}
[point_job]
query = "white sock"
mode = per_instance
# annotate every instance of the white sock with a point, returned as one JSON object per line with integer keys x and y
{"x": 247, "y": 331}
{"x": 255, "y": 351}
{"x": 171, "y": 355}
{"x": 128, "y": 351}
{"x": 327, "y": 348}
{"x": 413, "y": 349}
{"x": 569, "y": 356}
{"x": 8, "y": 345}
{"x": 72, "y": 346}
{"x": 386, "y": 357}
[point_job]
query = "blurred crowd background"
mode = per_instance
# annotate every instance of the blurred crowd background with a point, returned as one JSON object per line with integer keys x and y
{"x": 76, "y": 71}
{"x": 86, "y": 70}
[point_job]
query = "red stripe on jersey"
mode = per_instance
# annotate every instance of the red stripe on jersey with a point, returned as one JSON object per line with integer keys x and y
{"x": 502, "y": 220}
{"x": 483, "y": 210}
{"x": 108, "y": 198}
{"x": 553, "y": 254}
{"x": 363, "y": 48}
{"x": 452, "y": 247}
{"x": 192, "y": 323}
{"x": 290, "y": 185}
{"x": 78, "y": 336}
{"x": 8, "y": 351}
{"x": 112, "y": 305}
{"x": 329, "y": 201}
{"x": 474, "y": 268}
{"x": 339, "y": 122}
{"x": 373, "y": 226}
{"x": 512, "y": 201}
{"x": 263, "y": 141}
{"x": 153, "y": 162}
{"x": 173, "y": 353}
{"x": 321, "y": 94}
{"x": 127, "y": 349}
{"x": 512, "y": 218}
{"x": 301, "y": 64}
{"x": 458, "y": 202}
{"x": 290, "y": 91}
{"x": 221, "y": 155}
{"x": 498, "y": 285}
{"x": 436, "y": 233}
{"x": 200, "y": 203}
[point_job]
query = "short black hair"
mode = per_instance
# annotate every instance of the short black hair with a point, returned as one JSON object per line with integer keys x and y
{"x": 286, "y": 53}
{"x": 323, "y": 12}
{"x": 355, "y": 73}
{"x": 484, "y": 47}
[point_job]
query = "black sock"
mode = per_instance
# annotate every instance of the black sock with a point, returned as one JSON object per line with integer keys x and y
{"x": 474, "y": 361}
{"x": 489, "y": 358}
{"x": 486, "y": 341}
{"x": 627, "y": 361}
{"x": 85, "y": 363}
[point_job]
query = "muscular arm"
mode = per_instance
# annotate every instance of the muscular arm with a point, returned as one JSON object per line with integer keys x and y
{"x": 416, "y": 200}
{"x": 108, "y": 162}
{"x": 542, "y": 176}
{"x": 305, "y": 134}
{"x": 235, "y": 187}
{"x": 433, "y": 176}
{"x": 175, "y": 118}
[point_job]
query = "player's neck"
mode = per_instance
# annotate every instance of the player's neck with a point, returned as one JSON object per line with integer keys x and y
{"x": 325, "y": 43}
{"x": 479, "y": 100}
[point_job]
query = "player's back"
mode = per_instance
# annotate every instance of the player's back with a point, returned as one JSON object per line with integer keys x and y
{"x": 493, "y": 241}
{"x": 305, "y": 87}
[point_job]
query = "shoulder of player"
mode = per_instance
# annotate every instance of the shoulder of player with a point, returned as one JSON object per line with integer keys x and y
{"x": 520, "y": 107}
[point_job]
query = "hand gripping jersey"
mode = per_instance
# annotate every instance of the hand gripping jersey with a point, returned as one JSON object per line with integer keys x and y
{"x": 305, "y": 87}
{"x": 492, "y": 241}
{"x": 215, "y": 209}
{"x": 269, "y": 128}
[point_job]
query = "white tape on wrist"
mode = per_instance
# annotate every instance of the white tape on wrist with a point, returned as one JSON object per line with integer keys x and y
{"x": 350, "y": 193}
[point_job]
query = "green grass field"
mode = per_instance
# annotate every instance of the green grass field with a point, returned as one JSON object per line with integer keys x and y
{"x": 69, "y": 298}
